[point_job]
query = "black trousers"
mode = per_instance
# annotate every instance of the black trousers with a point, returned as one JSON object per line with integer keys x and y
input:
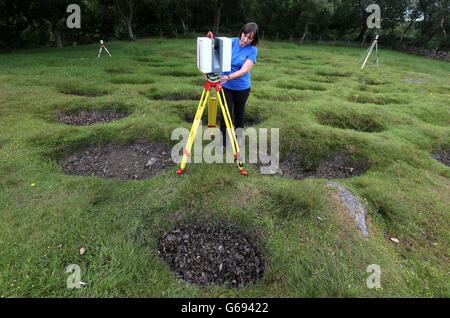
{"x": 236, "y": 101}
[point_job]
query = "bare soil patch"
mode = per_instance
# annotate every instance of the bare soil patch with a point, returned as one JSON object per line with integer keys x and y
{"x": 137, "y": 161}
{"x": 202, "y": 254}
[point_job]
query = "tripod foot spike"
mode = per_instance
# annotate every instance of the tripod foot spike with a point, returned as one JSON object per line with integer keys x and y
{"x": 243, "y": 172}
{"x": 180, "y": 172}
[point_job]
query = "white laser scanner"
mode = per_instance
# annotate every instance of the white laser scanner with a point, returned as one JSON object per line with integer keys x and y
{"x": 213, "y": 55}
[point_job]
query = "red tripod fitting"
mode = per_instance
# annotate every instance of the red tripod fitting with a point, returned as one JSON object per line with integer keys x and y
{"x": 209, "y": 85}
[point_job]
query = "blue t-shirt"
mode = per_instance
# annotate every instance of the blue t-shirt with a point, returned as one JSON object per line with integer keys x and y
{"x": 238, "y": 57}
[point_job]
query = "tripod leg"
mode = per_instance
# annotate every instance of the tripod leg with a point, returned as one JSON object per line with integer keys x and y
{"x": 227, "y": 119}
{"x": 368, "y": 55}
{"x": 198, "y": 116}
{"x": 99, "y": 53}
{"x": 376, "y": 47}
{"x": 230, "y": 129}
{"x": 107, "y": 51}
{"x": 364, "y": 55}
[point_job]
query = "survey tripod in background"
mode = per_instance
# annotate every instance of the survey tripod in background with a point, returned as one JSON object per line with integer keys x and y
{"x": 373, "y": 45}
{"x": 206, "y": 99}
{"x": 102, "y": 47}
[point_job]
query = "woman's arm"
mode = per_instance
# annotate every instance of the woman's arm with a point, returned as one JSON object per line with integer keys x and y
{"x": 244, "y": 70}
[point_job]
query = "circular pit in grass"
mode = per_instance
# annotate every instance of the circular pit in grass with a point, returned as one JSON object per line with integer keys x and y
{"x": 339, "y": 166}
{"x": 358, "y": 122}
{"x": 443, "y": 157}
{"x": 81, "y": 89}
{"x": 153, "y": 94}
{"x": 89, "y": 117}
{"x": 206, "y": 254}
{"x": 137, "y": 161}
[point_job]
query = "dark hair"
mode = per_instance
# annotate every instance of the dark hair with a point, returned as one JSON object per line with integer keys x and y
{"x": 251, "y": 27}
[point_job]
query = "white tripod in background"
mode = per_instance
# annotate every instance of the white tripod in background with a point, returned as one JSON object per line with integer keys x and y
{"x": 369, "y": 51}
{"x": 102, "y": 46}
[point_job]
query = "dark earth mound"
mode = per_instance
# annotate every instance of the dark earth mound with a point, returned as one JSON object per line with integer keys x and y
{"x": 179, "y": 73}
{"x": 358, "y": 122}
{"x": 131, "y": 80}
{"x": 189, "y": 117}
{"x": 443, "y": 157}
{"x": 89, "y": 117}
{"x": 251, "y": 120}
{"x": 339, "y": 166}
{"x": 82, "y": 90}
{"x": 137, "y": 161}
{"x": 118, "y": 70}
{"x": 175, "y": 96}
{"x": 412, "y": 80}
{"x": 202, "y": 254}
{"x": 142, "y": 59}
{"x": 373, "y": 82}
{"x": 377, "y": 99}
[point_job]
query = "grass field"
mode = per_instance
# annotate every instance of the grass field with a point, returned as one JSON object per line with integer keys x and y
{"x": 397, "y": 117}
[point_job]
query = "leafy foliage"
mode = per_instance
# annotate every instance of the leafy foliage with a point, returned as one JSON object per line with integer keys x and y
{"x": 421, "y": 23}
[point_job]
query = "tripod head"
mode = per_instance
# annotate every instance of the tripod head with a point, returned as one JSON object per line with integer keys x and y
{"x": 213, "y": 77}
{"x": 102, "y": 47}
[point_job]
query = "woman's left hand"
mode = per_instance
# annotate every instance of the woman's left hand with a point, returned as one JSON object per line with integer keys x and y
{"x": 224, "y": 79}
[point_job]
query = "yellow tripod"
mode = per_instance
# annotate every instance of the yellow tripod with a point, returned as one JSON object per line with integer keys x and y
{"x": 206, "y": 99}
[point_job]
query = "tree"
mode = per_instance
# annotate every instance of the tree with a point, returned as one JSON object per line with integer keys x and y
{"x": 126, "y": 10}
{"x": 53, "y": 12}
{"x": 434, "y": 24}
{"x": 13, "y": 20}
{"x": 217, "y": 14}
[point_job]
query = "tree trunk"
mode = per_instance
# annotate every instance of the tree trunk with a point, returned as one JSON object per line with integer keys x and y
{"x": 5, "y": 46}
{"x": 130, "y": 30}
{"x": 361, "y": 34}
{"x": 184, "y": 27}
{"x": 364, "y": 39}
{"x": 443, "y": 27}
{"x": 130, "y": 19}
{"x": 430, "y": 36}
{"x": 410, "y": 25}
{"x": 302, "y": 41}
{"x": 57, "y": 35}
{"x": 406, "y": 30}
{"x": 217, "y": 22}
{"x": 218, "y": 16}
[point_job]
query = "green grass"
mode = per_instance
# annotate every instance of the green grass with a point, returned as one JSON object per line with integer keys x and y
{"x": 321, "y": 102}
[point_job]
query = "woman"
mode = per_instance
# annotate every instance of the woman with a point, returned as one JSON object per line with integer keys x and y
{"x": 236, "y": 83}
